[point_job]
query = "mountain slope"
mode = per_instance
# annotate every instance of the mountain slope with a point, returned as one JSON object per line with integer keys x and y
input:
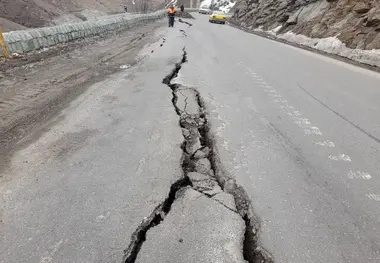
{"x": 355, "y": 23}
{"x": 37, "y": 13}
{"x": 222, "y": 5}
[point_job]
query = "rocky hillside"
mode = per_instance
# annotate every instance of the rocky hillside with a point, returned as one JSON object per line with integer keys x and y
{"x": 222, "y": 5}
{"x": 36, "y": 13}
{"x": 355, "y": 22}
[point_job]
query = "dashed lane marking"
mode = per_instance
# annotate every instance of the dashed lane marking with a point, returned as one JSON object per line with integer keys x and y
{"x": 341, "y": 157}
{"x": 326, "y": 143}
{"x": 358, "y": 175}
{"x": 373, "y": 197}
{"x": 306, "y": 125}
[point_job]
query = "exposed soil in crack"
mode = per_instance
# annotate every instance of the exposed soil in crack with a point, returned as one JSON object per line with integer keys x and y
{"x": 202, "y": 171}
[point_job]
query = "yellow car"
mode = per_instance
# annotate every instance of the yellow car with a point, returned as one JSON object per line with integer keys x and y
{"x": 218, "y": 17}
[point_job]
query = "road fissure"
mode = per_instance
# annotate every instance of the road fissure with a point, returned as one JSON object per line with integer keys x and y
{"x": 199, "y": 146}
{"x": 202, "y": 172}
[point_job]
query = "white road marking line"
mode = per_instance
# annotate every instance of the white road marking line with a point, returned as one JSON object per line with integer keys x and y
{"x": 287, "y": 107}
{"x": 301, "y": 121}
{"x": 326, "y": 143}
{"x": 297, "y": 113}
{"x": 341, "y": 157}
{"x": 294, "y": 114}
{"x": 275, "y": 95}
{"x": 358, "y": 175}
{"x": 313, "y": 130}
{"x": 373, "y": 197}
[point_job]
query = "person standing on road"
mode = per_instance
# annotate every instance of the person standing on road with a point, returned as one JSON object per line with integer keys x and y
{"x": 171, "y": 15}
{"x": 182, "y": 9}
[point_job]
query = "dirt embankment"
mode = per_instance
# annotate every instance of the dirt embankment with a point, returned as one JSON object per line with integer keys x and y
{"x": 38, "y": 13}
{"x": 36, "y": 87}
{"x": 355, "y": 22}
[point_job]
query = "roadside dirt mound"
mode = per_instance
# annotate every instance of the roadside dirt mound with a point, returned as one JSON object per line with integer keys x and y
{"x": 185, "y": 15}
{"x": 355, "y": 23}
{"x": 37, "y": 13}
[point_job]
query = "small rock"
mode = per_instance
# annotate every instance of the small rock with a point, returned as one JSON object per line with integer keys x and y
{"x": 230, "y": 186}
{"x": 293, "y": 19}
{"x": 192, "y": 146}
{"x": 203, "y": 166}
{"x": 185, "y": 132}
{"x": 373, "y": 16}
{"x": 283, "y": 18}
{"x": 209, "y": 187}
{"x": 204, "y": 183}
{"x": 375, "y": 44}
{"x": 195, "y": 177}
{"x": 216, "y": 190}
{"x": 192, "y": 141}
{"x": 202, "y": 153}
{"x": 361, "y": 7}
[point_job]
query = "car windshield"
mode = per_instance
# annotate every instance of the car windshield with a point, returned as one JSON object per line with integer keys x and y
{"x": 218, "y": 13}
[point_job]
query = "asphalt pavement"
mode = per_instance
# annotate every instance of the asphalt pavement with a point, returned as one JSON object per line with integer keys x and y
{"x": 81, "y": 189}
{"x": 301, "y": 133}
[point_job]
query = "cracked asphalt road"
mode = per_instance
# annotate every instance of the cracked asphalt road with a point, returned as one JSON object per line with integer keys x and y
{"x": 81, "y": 188}
{"x": 297, "y": 130}
{"x": 300, "y": 132}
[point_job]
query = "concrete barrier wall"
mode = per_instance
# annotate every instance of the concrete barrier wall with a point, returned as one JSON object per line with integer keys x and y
{"x": 33, "y": 39}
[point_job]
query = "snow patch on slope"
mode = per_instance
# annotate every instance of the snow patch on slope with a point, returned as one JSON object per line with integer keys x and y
{"x": 171, "y": 3}
{"x": 222, "y": 5}
{"x": 333, "y": 45}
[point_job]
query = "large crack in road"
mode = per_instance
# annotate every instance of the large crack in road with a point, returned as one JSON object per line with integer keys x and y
{"x": 202, "y": 172}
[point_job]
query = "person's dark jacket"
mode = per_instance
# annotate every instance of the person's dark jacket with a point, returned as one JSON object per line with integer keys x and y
{"x": 182, "y": 8}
